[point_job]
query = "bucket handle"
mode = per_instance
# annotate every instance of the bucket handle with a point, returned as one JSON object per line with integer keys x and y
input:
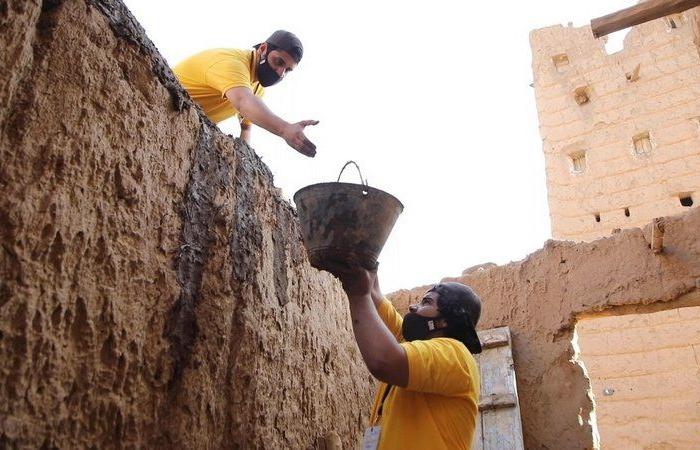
{"x": 363, "y": 180}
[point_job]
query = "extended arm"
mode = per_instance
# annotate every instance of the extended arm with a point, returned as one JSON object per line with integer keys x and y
{"x": 387, "y": 313}
{"x": 381, "y": 352}
{"x": 255, "y": 110}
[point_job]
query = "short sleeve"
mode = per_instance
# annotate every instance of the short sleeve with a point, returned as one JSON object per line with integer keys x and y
{"x": 227, "y": 74}
{"x": 439, "y": 366}
{"x": 391, "y": 318}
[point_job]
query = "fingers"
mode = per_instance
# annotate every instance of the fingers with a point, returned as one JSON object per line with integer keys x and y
{"x": 341, "y": 268}
{"x": 299, "y": 142}
{"x": 306, "y": 123}
{"x": 308, "y": 148}
{"x": 305, "y": 147}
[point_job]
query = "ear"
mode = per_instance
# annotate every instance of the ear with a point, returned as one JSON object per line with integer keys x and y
{"x": 262, "y": 49}
{"x": 441, "y": 324}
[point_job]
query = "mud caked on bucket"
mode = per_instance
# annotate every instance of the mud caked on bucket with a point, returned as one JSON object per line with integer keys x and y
{"x": 345, "y": 223}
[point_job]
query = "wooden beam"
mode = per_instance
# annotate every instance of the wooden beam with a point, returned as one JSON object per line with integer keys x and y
{"x": 658, "y": 227}
{"x": 640, "y": 13}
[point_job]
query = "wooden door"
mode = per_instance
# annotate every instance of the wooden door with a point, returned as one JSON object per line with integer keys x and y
{"x": 498, "y": 425}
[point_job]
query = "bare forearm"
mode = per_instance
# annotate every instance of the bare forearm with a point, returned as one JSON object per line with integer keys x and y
{"x": 376, "y": 292}
{"x": 255, "y": 110}
{"x": 383, "y": 355}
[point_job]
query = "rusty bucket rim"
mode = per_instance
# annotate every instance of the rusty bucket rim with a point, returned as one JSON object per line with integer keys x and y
{"x": 361, "y": 187}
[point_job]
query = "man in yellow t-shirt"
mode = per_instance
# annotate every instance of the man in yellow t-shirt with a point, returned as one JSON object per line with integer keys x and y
{"x": 429, "y": 391}
{"x": 230, "y": 82}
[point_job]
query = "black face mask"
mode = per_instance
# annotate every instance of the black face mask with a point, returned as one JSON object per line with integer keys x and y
{"x": 417, "y": 328}
{"x": 266, "y": 74}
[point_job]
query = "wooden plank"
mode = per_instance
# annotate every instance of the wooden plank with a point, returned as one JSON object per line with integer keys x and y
{"x": 497, "y": 376}
{"x": 640, "y": 13}
{"x": 496, "y": 401}
{"x": 499, "y": 433}
{"x": 493, "y": 338}
{"x": 501, "y": 427}
{"x": 500, "y": 415}
{"x": 478, "y": 443}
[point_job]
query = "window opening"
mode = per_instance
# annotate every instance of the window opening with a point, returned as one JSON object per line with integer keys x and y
{"x": 578, "y": 162}
{"x": 696, "y": 121}
{"x": 642, "y": 144}
{"x": 597, "y": 217}
{"x": 674, "y": 21}
{"x": 634, "y": 74}
{"x": 582, "y": 95}
{"x": 560, "y": 61}
{"x": 627, "y": 212}
{"x": 686, "y": 200}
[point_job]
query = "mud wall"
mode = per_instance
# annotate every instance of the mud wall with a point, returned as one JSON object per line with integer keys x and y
{"x": 621, "y": 131}
{"x": 645, "y": 377}
{"x": 542, "y": 298}
{"x": 154, "y": 291}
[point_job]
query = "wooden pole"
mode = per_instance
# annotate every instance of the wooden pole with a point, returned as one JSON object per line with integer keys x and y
{"x": 658, "y": 228}
{"x": 640, "y": 13}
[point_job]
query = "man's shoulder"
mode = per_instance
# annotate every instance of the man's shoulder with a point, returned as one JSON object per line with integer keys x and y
{"x": 451, "y": 349}
{"x": 458, "y": 353}
{"x": 441, "y": 366}
{"x": 444, "y": 346}
{"x": 212, "y": 56}
{"x": 232, "y": 52}
{"x": 447, "y": 342}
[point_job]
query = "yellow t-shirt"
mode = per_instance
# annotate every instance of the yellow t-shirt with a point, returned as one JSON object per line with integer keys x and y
{"x": 438, "y": 408}
{"x": 208, "y": 75}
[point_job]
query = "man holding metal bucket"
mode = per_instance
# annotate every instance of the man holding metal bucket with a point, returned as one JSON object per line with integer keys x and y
{"x": 429, "y": 391}
{"x": 229, "y": 82}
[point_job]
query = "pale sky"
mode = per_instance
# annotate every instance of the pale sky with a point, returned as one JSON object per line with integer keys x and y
{"x": 432, "y": 99}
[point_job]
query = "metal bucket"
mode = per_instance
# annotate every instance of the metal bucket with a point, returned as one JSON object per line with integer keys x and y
{"x": 345, "y": 223}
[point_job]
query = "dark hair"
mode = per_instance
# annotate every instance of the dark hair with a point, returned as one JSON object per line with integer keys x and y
{"x": 296, "y": 53}
{"x": 461, "y": 309}
{"x": 286, "y": 41}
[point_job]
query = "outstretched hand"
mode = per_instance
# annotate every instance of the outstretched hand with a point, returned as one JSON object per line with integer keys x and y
{"x": 295, "y": 137}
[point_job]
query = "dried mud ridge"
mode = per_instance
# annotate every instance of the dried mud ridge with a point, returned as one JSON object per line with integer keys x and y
{"x": 209, "y": 173}
{"x": 155, "y": 291}
{"x": 125, "y": 26}
{"x": 197, "y": 214}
